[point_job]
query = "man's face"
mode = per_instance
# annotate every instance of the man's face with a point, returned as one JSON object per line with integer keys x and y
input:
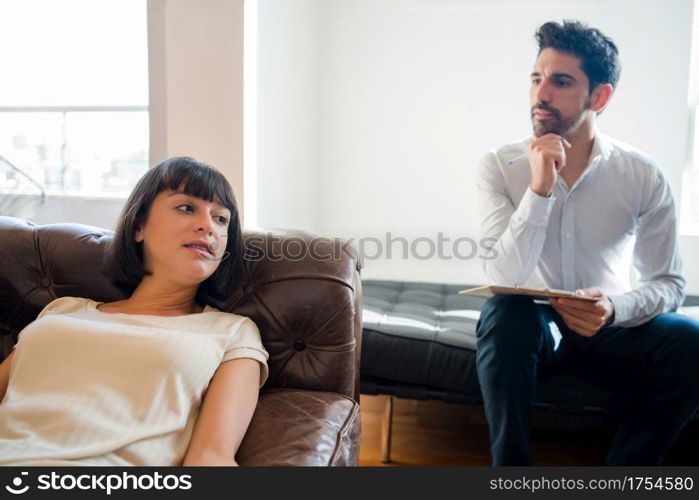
{"x": 559, "y": 94}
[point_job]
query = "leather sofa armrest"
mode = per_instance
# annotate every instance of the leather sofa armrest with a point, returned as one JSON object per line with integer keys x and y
{"x": 302, "y": 428}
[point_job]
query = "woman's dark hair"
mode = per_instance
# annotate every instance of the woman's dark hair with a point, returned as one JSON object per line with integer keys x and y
{"x": 123, "y": 262}
{"x": 599, "y": 55}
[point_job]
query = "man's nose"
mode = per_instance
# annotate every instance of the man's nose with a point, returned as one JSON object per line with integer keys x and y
{"x": 543, "y": 92}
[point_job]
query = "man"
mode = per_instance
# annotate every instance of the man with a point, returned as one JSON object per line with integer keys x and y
{"x": 562, "y": 213}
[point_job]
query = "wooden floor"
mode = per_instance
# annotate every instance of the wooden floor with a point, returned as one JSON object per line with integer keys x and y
{"x": 433, "y": 433}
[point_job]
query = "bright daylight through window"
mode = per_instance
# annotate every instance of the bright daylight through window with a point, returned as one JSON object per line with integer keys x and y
{"x": 73, "y": 97}
{"x": 689, "y": 207}
{"x": 690, "y": 184}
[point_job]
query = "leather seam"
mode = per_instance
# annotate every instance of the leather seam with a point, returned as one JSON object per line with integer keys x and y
{"x": 346, "y": 427}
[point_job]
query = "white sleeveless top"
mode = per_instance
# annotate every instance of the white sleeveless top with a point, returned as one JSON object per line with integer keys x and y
{"x": 93, "y": 388}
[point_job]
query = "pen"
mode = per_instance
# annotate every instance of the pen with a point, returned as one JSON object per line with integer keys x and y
{"x": 521, "y": 157}
{"x": 515, "y": 160}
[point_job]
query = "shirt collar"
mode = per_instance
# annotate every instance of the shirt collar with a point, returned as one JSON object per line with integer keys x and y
{"x": 600, "y": 147}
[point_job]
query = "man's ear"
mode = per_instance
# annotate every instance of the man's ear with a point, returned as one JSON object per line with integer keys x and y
{"x": 600, "y": 97}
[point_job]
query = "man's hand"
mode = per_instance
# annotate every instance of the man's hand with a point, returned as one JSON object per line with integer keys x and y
{"x": 585, "y": 318}
{"x": 547, "y": 157}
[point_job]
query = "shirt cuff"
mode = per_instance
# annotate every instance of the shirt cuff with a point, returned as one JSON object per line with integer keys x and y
{"x": 623, "y": 308}
{"x": 535, "y": 209}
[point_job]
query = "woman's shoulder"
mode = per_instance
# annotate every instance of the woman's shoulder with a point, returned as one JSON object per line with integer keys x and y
{"x": 65, "y": 305}
{"x": 226, "y": 316}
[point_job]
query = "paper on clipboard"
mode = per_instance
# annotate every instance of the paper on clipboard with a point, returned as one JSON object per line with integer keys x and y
{"x": 538, "y": 293}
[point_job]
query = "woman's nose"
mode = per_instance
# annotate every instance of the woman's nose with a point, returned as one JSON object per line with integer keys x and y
{"x": 204, "y": 223}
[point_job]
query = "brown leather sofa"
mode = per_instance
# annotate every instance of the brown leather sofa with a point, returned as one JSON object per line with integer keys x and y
{"x": 308, "y": 309}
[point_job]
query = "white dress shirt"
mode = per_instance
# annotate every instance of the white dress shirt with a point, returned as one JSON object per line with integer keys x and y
{"x": 583, "y": 235}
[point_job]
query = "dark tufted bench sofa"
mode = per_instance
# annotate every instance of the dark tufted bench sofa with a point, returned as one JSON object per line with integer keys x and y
{"x": 307, "y": 311}
{"x": 419, "y": 342}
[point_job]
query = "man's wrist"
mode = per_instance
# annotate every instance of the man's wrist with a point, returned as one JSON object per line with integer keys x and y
{"x": 540, "y": 191}
{"x": 610, "y": 319}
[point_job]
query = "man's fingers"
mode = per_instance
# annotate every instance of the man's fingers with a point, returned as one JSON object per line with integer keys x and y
{"x": 577, "y": 325}
{"x": 581, "y": 305}
{"x": 576, "y": 313}
{"x": 587, "y": 326}
{"x": 558, "y": 158}
{"x": 582, "y": 323}
{"x": 593, "y": 291}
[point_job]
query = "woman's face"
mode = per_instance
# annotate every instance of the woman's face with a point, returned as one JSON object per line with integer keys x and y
{"x": 184, "y": 237}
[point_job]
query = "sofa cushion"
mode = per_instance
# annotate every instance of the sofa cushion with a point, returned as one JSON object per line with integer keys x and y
{"x": 419, "y": 341}
{"x": 420, "y": 333}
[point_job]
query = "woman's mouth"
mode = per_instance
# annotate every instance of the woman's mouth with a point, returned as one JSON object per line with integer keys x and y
{"x": 199, "y": 251}
{"x": 200, "y": 248}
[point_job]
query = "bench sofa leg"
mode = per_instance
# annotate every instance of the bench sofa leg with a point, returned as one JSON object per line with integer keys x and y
{"x": 386, "y": 427}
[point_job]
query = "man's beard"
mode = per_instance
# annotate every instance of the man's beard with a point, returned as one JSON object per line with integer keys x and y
{"x": 555, "y": 124}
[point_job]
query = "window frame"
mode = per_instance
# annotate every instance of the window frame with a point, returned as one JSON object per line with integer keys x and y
{"x": 79, "y": 109}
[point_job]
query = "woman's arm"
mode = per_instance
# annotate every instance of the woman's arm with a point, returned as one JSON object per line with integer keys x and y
{"x": 5, "y": 374}
{"x": 225, "y": 414}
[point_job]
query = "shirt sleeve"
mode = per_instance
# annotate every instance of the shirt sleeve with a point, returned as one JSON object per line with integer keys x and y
{"x": 515, "y": 235}
{"x": 656, "y": 258}
{"x": 55, "y": 306}
{"x": 245, "y": 342}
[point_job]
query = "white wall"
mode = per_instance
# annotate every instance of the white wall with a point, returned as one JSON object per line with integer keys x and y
{"x": 287, "y": 132}
{"x": 195, "y": 66}
{"x": 411, "y": 93}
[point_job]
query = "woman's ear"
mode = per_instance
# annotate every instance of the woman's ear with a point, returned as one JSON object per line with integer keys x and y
{"x": 138, "y": 236}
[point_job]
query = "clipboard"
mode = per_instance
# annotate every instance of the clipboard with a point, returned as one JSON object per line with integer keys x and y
{"x": 537, "y": 293}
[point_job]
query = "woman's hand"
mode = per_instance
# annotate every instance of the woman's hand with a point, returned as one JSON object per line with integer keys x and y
{"x": 210, "y": 461}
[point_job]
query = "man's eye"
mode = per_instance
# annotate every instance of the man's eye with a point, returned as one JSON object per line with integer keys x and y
{"x": 562, "y": 83}
{"x": 536, "y": 82}
{"x": 185, "y": 208}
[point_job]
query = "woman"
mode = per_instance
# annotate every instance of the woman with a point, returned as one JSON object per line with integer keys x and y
{"x": 159, "y": 378}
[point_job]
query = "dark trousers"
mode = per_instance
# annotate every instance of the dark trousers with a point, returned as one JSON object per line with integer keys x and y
{"x": 654, "y": 366}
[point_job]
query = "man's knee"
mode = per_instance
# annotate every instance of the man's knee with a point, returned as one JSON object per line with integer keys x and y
{"x": 508, "y": 317}
{"x": 507, "y": 309}
{"x": 684, "y": 335}
{"x": 687, "y": 333}
{"x": 681, "y": 350}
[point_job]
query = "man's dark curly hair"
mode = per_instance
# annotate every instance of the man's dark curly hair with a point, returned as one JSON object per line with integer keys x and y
{"x": 599, "y": 55}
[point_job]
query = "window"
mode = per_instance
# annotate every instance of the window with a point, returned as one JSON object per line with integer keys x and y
{"x": 74, "y": 95}
{"x": 689, "y": 213}
{"x": 689, "y": 206}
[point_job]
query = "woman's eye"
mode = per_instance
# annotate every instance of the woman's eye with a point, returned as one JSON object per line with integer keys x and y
{"x": 221, "y": 219}
{"x": 185, "y": 208}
